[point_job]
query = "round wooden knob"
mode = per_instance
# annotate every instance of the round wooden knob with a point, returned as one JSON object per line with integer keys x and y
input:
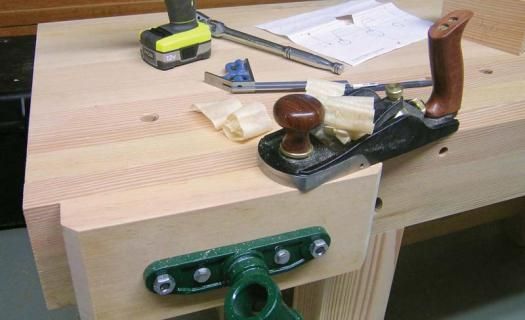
{"x": 297, "y": 114}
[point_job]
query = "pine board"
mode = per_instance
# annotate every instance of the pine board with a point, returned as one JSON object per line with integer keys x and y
{"x": 111, "y": 238}
{"x": 498, "y": 24}
{"x": 362, "y": 294}
{"x": 91, "y": 89}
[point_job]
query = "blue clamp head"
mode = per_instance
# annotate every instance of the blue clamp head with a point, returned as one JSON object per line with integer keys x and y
{"x": 238, "y": 71}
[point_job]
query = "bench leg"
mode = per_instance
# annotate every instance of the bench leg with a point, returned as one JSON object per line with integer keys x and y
{"x": 362, "y": 294}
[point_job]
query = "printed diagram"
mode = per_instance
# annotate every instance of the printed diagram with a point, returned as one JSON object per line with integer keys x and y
{"x": 374, "y": 33}
{"x": 321, "y": 42}
{"x": 342, "y": 36}
{"x": 370, "y": 33}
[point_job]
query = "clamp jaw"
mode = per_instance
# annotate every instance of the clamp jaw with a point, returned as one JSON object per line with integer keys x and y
{"x": 246, "y": 268}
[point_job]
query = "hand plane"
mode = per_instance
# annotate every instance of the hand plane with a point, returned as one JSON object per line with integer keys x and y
{"x": 295, "y": 156}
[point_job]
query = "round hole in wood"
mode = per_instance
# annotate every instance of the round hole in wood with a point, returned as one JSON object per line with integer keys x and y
{"x": 149, "y": 117}
{"x": 486, "y": 71}
{"x": 379, "y": 203}
{"x": 443, "y": 151}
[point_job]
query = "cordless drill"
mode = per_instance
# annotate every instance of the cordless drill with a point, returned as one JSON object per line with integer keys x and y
{"x": 181, "y": 41}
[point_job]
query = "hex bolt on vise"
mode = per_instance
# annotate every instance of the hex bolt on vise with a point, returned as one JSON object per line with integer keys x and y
{"x": 246, "y": 268}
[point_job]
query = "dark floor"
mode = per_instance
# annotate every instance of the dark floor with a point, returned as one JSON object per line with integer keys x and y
{"x": 474, "y": 274}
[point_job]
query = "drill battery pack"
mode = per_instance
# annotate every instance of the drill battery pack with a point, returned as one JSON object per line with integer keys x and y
{"x": 165, "y": 48}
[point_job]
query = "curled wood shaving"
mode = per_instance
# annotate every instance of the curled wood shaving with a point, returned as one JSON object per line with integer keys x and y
{"x": 218, "y": 112}
{"x": 323, "y": 88}
{"x": 238, "y": 122}
{"x": 247, "y": 122}
{"x": 346, "y": 117}
{"x": 350, "y": 113}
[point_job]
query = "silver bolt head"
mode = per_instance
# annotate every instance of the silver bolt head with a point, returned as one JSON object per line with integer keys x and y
{"x": 282, "y": 256}
{"x": 318, "y": 248}
{"x": 164, "y": 284}
{"x": 202, "y": 275}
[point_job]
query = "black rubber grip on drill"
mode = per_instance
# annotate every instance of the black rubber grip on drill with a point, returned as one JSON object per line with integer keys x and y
{"x": 181, "y": 11}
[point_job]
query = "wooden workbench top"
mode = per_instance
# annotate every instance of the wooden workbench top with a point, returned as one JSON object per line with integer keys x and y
{"x": 87, "y": 137}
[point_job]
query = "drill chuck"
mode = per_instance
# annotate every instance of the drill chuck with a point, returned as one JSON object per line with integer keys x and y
{"x": 182, "y": 12}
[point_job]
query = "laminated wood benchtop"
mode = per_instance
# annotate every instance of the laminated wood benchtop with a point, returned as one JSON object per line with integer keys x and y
{"x": 88, "y": 139}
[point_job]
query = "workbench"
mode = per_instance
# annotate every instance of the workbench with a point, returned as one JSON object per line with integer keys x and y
{"x": 121, "y": 172}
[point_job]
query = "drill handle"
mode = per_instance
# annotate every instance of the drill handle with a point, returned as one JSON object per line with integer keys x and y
{"x": 181, "y": 11}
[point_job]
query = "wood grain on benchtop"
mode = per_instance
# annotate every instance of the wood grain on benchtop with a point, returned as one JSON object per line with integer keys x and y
{"x": 91, "y": 90}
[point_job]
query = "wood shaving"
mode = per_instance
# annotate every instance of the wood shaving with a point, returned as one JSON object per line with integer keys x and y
{"x": 247, "y": 122}
{"x": 352, "y": 113}
{"x": 342, "y": 135}
{"x": 323, "y": 88}
{"x": 218, "y": 112}
{"x": 346, "y": 117}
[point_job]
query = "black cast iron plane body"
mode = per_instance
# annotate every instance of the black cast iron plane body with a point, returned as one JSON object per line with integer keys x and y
{"x": 400, "y": 127}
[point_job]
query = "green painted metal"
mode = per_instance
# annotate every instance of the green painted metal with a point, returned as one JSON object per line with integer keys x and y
{"x": 253, "y": 294}
{"x": 247, "y": 268}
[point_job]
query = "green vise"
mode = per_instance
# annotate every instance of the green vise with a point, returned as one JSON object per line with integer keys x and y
{"x": 245, "y": 267}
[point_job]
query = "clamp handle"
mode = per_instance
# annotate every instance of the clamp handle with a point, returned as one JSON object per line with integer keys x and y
{"x": 446, "y": 63}
{"x": 253, "y": 293}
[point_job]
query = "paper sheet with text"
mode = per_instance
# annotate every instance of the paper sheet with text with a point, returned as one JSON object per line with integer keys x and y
{"x": 354, "y": 31}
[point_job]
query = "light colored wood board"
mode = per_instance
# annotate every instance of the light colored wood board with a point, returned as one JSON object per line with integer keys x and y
{"x": 362, "y": 294}
{"x": 90, "y": 89}
{"x": 484, "y": 164}
{"x": 105, "y": 52}
{"x": 468, "y": 219}
{"x": 499, "y": 24}
{"x": 110, "y": 239}
{"x": 45, "y": 233}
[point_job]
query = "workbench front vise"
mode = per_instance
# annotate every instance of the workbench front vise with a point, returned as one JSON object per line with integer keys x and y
{"x": 244, "y": 267}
